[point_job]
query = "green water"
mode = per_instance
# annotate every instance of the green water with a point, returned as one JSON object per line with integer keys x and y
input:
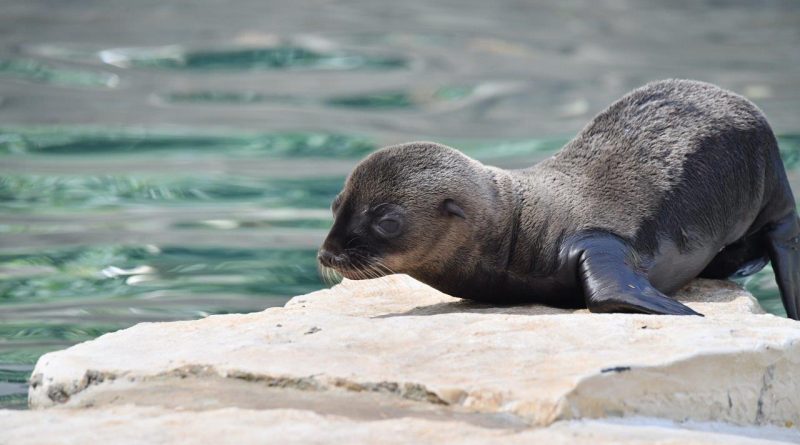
{"x": 167, "y": 160}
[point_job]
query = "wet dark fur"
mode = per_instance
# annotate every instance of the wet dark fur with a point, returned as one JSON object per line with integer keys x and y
{"x": 675, "y": 180}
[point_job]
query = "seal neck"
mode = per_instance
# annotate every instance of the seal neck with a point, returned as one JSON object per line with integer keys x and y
{"x": 539, "y": 225}
{"x": 503, "y": 221}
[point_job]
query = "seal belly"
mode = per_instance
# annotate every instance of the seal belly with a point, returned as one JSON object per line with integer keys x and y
{"x": 673, "y": 267}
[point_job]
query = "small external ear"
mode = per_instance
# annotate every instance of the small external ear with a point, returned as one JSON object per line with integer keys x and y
{"x": 449, "y": 207}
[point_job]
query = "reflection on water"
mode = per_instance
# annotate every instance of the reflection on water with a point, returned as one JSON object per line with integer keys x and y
{"x": 152, "y": 172}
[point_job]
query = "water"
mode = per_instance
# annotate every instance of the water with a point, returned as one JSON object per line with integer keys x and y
{"x": 170, "y": 160}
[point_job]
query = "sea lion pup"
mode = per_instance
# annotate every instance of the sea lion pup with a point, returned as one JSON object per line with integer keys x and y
{"x": 677, "y": 179}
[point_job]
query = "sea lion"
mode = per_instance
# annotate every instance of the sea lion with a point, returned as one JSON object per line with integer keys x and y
{"x": 677, "y": 179}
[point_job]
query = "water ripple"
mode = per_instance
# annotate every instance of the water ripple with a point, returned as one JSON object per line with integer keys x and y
{"x": 76, "y": 140}
{"x": 279, "y": 57}
{"x": 40, "y": 191}
{"x": 34, "y": 71}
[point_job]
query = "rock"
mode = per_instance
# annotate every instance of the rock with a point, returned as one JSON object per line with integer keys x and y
{"x": 122, "y": 425}
{"x": 401, "y": 339}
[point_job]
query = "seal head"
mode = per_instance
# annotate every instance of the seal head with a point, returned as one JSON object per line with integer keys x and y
{"x": 406, "y": 209}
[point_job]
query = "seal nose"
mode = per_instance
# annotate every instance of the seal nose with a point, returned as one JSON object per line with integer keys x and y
{"x": 326, "y": 258}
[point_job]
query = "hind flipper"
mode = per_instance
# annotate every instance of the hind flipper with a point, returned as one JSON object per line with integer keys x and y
{"x": 611, "y": 283}
{"x": 783, "y": 240}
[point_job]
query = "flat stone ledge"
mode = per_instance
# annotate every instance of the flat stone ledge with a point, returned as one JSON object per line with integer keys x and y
{"x": 397, "y": 337}
{"x": 129, "y": 424}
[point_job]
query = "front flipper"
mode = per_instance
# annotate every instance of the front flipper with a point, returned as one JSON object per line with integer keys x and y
{"x": 611, "y": 283}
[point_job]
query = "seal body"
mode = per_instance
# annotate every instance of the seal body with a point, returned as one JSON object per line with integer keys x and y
{"x": 675, "y": 180}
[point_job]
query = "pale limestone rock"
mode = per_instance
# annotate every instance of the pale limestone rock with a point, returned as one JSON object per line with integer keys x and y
{"x": 123, "y": 425}
{"x": 399, "y": 337}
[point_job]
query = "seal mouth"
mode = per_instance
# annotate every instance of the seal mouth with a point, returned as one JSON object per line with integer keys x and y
{"x": 351, "y": 265}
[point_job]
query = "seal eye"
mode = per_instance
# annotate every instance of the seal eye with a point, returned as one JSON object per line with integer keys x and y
{"x": 389, "y": 226}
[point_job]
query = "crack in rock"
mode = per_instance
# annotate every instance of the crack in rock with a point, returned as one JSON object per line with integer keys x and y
{"x": 616, "y": 369}
{"x": 60, "y": 393}
{"x": 766, "y": 386}
{"x": 410, "y": 391}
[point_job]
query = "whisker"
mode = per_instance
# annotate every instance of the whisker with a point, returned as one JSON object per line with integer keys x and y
{"x": 366, "y": 267}
{"x": 329, "y": 275}
{"x": 358, "y": 265}
{"x": 361, "y": 266}
{"x": 369, "y": 271}
{"x": 377, "y": 270}
{"x": 336, "y": 277}
{"x": 370, "y": 267}
{"x": 384, "y": 267}
{"x": 321, "y": 272}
